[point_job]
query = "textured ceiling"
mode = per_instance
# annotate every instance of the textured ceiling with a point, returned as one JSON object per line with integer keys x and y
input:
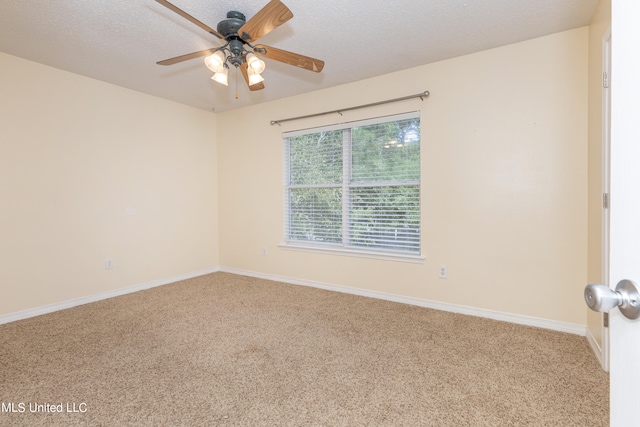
{"x": 119, "y": 41}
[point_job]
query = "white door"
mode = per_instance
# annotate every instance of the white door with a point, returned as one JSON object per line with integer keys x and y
{"x": 625, "y": 208}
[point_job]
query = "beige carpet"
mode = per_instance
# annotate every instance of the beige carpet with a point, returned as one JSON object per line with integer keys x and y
{"x": 228, "y": 350}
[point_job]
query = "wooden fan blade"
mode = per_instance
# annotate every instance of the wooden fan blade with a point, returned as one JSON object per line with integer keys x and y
{"x": 306, "y": 62}
{"x": 245, "y": 74}
{"x": 274, "y": 14}
{"x": 190, "y": 18}
{"x": 188, "y": 56}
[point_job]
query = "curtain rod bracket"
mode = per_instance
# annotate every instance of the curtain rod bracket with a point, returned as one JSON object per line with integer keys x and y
{"x": 420, "y": 95}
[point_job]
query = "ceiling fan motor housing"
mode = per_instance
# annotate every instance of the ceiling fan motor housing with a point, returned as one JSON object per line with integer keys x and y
{"x": 232, "y": 24}
{"x": 229, "y": 29}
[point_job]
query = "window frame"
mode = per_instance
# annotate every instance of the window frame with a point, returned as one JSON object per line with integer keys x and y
{"x": 344, "y": 248}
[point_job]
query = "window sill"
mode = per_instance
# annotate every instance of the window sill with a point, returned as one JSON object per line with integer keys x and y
{"x": 415, "y": 259}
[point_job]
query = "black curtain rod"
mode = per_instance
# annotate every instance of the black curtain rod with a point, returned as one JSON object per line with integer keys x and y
{"x": 421, "y": 95}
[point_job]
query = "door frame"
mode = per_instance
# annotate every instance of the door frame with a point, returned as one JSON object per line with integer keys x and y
{"x": 606, "y": 186}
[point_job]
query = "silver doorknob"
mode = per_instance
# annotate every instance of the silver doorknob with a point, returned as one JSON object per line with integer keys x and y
{"x": 626, "y": 297}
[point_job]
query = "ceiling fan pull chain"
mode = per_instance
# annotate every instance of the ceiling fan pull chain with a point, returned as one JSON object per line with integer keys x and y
{"x": 236, "y": 82}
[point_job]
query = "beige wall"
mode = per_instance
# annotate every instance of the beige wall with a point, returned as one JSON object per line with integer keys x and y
{"x": 600, "y": 23}
{"x": 504, "y": 181}
{"x": 91, "y": 171}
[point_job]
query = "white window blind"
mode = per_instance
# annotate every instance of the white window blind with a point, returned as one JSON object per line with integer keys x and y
{"x": 355, "y": 185}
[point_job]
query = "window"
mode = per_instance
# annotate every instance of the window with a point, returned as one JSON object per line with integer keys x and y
{"x": 355, "y": 186}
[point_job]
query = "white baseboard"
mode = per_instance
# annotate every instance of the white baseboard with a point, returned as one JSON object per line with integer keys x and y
{"x": 50, "y": 308}
{"x": 597, "y": 350}
{"x": 454, "y": 308}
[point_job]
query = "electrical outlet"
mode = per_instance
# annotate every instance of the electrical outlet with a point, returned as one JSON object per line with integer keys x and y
{"x": 442, "y": 271}
{"x": 108, "y": 265}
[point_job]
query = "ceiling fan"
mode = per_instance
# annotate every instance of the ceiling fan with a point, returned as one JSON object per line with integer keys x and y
{"x": 238, "y": 50}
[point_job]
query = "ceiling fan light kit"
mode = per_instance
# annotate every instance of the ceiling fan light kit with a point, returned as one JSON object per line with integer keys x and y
{"x": 215, "y": 62}
{"x": 221, "y": 76}
{"x": 256, "y": 65}
{"x": 254, "y": 78}
{"x": 238, "y": 33}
